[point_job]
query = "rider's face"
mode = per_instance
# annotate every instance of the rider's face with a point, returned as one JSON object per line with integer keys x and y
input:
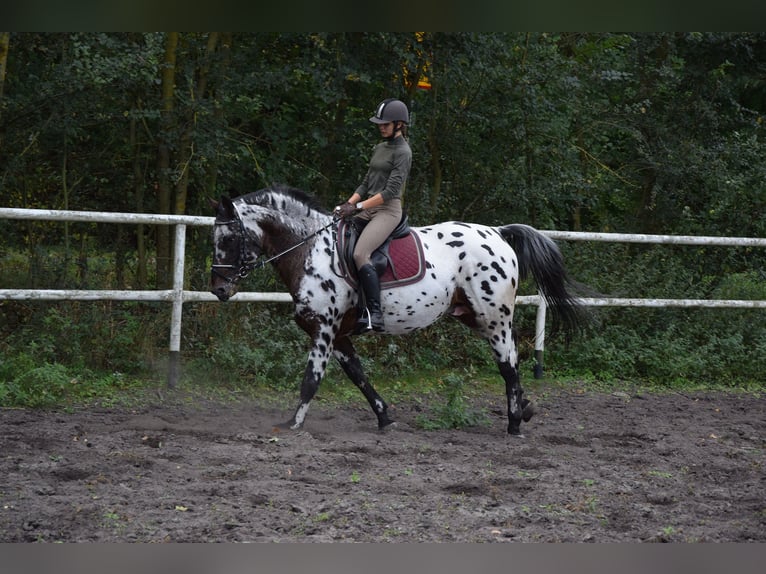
{"x": 386, "y": 130}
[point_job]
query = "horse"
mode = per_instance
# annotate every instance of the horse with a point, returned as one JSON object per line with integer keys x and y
{"x": 472, "y": 273}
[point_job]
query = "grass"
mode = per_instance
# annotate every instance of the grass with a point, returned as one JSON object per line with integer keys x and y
{"x": 451, "y": 394}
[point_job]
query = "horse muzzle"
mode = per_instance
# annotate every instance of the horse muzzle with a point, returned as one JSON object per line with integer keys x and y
{"x": 224, "y": 290}
{"x": 221, "y": 293}
{"x": 222, "y": 286}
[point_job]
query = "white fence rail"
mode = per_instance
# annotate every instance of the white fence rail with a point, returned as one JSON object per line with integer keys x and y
{"x": 178, "y": 296}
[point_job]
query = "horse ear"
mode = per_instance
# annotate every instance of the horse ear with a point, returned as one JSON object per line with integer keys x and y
{"x": 224, "y": 208}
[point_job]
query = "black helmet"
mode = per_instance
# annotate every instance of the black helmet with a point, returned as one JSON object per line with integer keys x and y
{"x": 391, "y": 110}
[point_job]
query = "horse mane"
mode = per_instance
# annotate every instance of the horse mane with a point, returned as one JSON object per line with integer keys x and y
{"x": 277, "y": 196}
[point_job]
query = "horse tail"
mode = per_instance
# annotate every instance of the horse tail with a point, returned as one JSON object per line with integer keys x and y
{"x": 540, "y": 256}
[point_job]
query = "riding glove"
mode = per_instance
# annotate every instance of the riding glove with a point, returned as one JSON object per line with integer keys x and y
{"x": 346, "y": 210}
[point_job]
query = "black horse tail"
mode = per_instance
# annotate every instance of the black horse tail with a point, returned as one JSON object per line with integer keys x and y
{"x": 539, "y": 255}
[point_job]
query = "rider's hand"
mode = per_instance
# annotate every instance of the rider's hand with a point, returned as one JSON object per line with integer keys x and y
{"x": 345, "y": 210}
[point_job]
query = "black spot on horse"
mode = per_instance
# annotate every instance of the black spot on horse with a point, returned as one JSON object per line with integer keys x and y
{"x": 497, "y": 267}
{"x": 488, "y": 249}
{"x": 486, "y": 287}
{"x": 455, "y": 243}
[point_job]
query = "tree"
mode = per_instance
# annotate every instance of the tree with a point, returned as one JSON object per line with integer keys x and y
{"x": 5, "y": 38}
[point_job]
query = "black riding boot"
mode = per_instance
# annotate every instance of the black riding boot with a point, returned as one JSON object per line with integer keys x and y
{"x": 372, "y": 318}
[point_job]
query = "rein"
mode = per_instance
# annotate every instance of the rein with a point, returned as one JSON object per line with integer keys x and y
{"x": 246, "y": 268}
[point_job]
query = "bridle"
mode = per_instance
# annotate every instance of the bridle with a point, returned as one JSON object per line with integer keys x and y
{"x": 246, "y": 267}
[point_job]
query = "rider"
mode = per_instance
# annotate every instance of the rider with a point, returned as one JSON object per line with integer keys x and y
{"x": 378, "y": 200}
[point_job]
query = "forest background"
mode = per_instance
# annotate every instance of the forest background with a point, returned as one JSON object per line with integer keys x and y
{"x": 611, "y": 132}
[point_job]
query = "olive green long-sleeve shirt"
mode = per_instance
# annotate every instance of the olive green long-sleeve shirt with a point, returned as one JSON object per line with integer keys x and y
{"x": 389, "y": 167}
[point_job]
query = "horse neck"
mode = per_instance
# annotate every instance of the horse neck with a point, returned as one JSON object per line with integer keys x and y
{"x": 280, "y": 232}
{"x": 283, "y": 230}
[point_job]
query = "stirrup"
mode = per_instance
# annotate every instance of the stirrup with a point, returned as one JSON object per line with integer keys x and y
{"x": 362, "y": 325}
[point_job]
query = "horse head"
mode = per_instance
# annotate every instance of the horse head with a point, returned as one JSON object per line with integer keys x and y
{"x": 235, "y": 251}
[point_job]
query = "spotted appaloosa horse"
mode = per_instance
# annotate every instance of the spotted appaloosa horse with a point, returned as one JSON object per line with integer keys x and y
{"x": 472, "y": 274}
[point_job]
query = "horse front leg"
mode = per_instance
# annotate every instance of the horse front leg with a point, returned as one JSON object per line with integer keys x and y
{"x": 345, "y": 353}
{"x": 312, "y": 376}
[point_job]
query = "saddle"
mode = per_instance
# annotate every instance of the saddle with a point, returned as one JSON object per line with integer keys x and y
{"x": 398, "y": 261}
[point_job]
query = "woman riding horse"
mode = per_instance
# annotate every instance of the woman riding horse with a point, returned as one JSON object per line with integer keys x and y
{"x": 378, "y": 200}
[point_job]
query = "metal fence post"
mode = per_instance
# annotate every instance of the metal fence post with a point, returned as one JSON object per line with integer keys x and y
{"x": 174, "y": 365}
{"x": 539, "y": 338}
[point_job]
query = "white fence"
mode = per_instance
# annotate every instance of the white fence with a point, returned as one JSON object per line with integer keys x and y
{"x": 178, "y": 296}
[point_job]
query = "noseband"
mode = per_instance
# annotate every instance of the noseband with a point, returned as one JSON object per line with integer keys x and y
{"x": 244, "y": 268}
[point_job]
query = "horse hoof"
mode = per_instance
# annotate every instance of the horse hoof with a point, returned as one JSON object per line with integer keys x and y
{"x": 528, "y": 412}
{"x": 289, "y": 425}
{"x": 389, "y": 426}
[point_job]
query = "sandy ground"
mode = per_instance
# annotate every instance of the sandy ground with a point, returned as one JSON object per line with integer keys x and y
{"x": 590, "y": 468}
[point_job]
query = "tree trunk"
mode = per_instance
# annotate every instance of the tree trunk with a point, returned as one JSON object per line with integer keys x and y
{"x": 5, "y": 39}
{"x": 167, "y": 77}
{"x": 186, "y": 143}
{"x": 138, "y": 190}
{"x": 436, "y": 173}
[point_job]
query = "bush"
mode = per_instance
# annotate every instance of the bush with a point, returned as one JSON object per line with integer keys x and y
{"x": 455, "y": 413}
{"x": 41, "y": 386}
{"x": 45, "y": 344}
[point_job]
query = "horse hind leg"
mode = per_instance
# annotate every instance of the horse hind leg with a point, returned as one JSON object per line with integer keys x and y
{"x": 514, "y": 394}
{"x": 349, "y": 361}
{"x": 519, "y": 408}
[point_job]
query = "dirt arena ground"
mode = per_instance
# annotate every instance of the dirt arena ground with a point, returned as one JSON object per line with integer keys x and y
{"x": 590, "y": 468}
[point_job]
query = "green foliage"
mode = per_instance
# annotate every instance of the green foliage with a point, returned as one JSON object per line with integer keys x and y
{"x": 718, "y": 347}
{"x": 258, "y": 345}
{"x": 639, "y": 132}
{"x": 40, "y": 386}
{"x": 26, "y": 381}
{"x": 455, "y": 412}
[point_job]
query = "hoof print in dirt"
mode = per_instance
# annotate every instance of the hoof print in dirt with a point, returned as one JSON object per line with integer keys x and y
{"x": 151, "y": 441}
{"x": 529, "y": 411}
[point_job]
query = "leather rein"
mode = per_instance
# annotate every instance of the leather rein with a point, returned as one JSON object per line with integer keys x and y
{"x": 245, "y": 267}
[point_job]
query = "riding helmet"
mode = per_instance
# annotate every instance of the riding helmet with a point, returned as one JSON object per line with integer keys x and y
{"x": 391, "y": 110}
